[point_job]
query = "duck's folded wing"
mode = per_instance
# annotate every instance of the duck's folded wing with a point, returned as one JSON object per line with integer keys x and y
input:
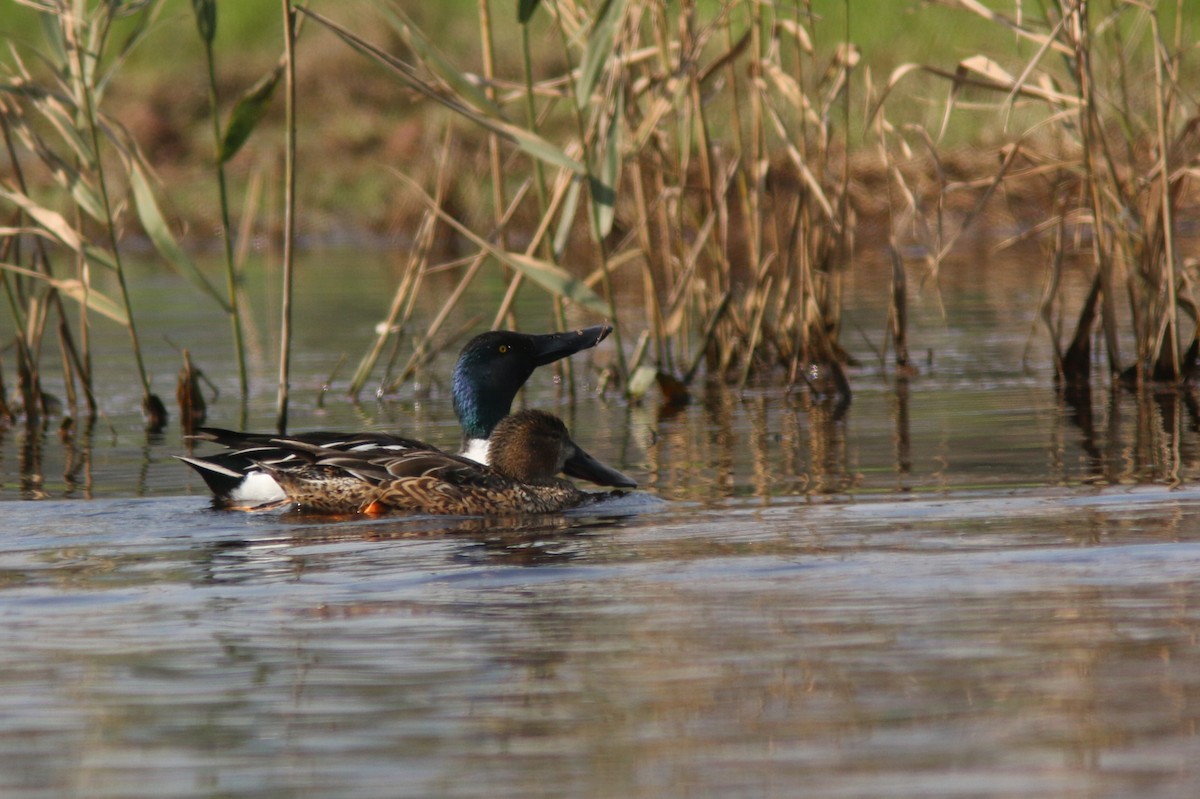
{"x": 264, "y": 445}
{"x": 384, "y": 466}
{"x": 448, "y": 470}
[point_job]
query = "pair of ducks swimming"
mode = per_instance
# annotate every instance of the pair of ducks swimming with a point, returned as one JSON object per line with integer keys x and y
{"x": 509, "y": 463}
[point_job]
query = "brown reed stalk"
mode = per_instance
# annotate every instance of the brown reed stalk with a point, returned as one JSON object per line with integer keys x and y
{"x": 721, "y": 256}
{"x": 289, "y": 217}
{"x": 898, "y": 308}
{"x": 152, "y": 407}
{"x": 1118, "y": 151}
{"x": 489, "y": 76}
{"x": 28, "y": 382}
{"x": 608, "y": 19}
{"x": 76, "y": 361}
{"x": 564, "y": 366}
{"x": 405, "y": 295}
{"x": 1093, "y": 160}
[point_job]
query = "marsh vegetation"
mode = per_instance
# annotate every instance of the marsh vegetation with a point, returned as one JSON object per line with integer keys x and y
{"x": 701, "y": 173}
{"x": 974, "y": 579}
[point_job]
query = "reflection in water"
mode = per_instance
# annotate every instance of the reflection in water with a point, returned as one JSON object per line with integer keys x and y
{"x": 964, "y": 584}
{"x": 29, "y": 464}
{"x": 502, "y": 541}
{"x": 903, "y": 425}
{"x": 1077, "y": 397}
{"x": 77, "y": 459}
{"x": 829, "y": 447}
{"x": 924, "y": 437}
{"x": 1162, "y": 446}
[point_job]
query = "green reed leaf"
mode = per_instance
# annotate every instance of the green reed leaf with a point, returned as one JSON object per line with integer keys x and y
{"x": 161, "y": 236}
{"x": 466, "y": 89}
{"x": 556, "y": 280}
{"x": 529, "y": 142}
{"x": 599, "y": 50}
{"x": 206, "y": 19}
{"x": 566, "y": 218}
{"x": 248, "y": 112}
{"x": 525, "y": 9}
{"x": 604, "y": 185}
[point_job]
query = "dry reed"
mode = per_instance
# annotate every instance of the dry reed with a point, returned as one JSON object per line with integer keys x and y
{"x": 697, "y": 155}
{"x": 739, "y": 256}
{"x": 1119, "y": 160}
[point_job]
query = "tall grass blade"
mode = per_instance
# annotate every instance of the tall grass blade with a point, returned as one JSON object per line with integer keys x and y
{"x": 77, "y": 291}
{"x": 162, "y": 238}
{"x": 599, "y": 50}
{"x": 525, "y": 9}
{"x": 246, "y": 114}
{"x": 529, "y": 142}
{"x": 152, "y": 407}
{"x": 604, "y": 187}
{"x": 463, "y": 87}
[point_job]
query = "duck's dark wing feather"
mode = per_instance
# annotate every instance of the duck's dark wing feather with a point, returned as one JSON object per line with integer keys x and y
{"x": 248, "y": 451}
{"x": 381, "y": 467}
{"x": 263, "y": 443}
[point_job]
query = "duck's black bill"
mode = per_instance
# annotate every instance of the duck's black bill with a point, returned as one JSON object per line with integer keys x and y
{"x": 550, "y": 347}
{"x": 583, "y": 466}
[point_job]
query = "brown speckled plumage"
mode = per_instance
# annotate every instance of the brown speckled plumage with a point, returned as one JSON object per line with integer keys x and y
{"x": 527, "y": 449}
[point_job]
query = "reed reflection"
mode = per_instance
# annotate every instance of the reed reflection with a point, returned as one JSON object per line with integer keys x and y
{"x": 828, "y": 451}
{"x": 903, "y": 436}
{"x": 77, "y": 457}
{"x": 767, "y": 444}
{"x": 1162, "y": 445}
{"x": 1075, "y": 398}
{"x": 30, "y": 449}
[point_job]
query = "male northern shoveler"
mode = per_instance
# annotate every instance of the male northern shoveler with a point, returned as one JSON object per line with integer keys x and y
{"x": 527, "y": 450}
{"x": 490, "y": 371}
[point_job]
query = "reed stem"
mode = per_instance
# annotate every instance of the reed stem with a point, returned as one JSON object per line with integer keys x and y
{"x": 235, "y": 316}
{"x": 289, "y": 218}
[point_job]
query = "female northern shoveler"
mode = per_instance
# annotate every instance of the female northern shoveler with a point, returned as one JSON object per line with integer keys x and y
{"x": 527, "y": 450}
{"x": 490, "y": 371}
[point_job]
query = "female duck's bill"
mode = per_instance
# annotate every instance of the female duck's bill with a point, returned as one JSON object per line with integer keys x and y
{"x": 491, "y": 369}
{"x": 529, "y": 449}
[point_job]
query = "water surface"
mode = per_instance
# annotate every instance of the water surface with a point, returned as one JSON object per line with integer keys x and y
{"x": 964, "y": 585}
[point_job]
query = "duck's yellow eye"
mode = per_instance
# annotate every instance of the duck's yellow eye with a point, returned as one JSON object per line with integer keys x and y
{"x": 503, "y": 348}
